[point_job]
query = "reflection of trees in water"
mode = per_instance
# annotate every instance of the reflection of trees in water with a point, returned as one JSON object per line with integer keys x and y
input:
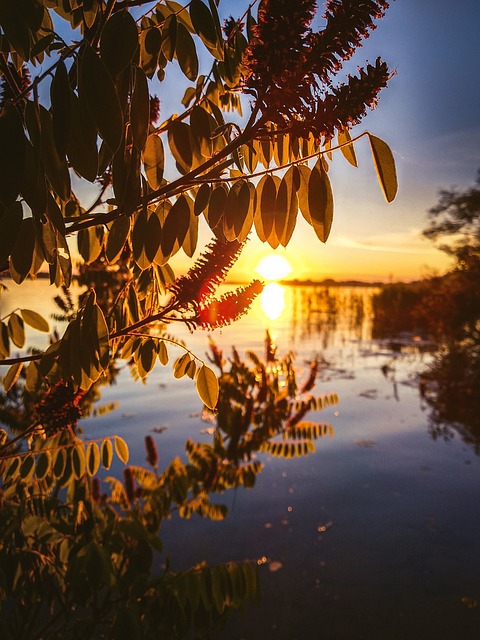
{"x": 332, "y": 314}
{"x": 451, "y": 388}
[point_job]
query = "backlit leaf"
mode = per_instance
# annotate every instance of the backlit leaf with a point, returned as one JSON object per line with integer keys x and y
{"x": 216, "y": 206}
{"x": 140, "y": 110}
{"x": 107, "y": 453}
{"x": 200, "y": 131}
{"x": 385, "y": 167}
{"x": 59, "y": 462}
{"x": 11, "y": 218}
{"x": 16, "y": 330}
{"x": 92, "y": 458}
{"x": 56, "y": 167}
{"x": 12, "y": 376}
{"x": 119, "y": 41}
{"x": 154, "y": 160}
{"x": 22, "y": 253}
{"x": 180, "y": 365}
{"x": 207, "y": 386}
{"x": 82, "y": 145}
{"x": 97, "y": 86}
{"x": 28, "y": 467}
{"x": 203, "y": 23}
{"x": 320, "y": 202}
{"x": 121, "y": 449}
{"x": 60, "y": 93}
{"x": 12, "y": 154}
{"x": 78, "y": 461}
{"x": 180, "y": 145}
{"x": 162, "y": 352}
{"x": 35, "y": 320}
{"x": 176, "y": 225}
{"x": 117, "y": 237}
{"x": 348, "y": 150}
{"x": 202, "y": 198}
{"x": 4, "y": 341}
{"x": 186, "y": 53}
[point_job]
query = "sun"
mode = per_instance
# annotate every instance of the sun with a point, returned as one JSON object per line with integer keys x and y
{"x": 274, "y": 267}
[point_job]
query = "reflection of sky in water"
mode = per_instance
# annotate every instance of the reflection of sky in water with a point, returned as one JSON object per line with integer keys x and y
{"x": 377, "y": 532}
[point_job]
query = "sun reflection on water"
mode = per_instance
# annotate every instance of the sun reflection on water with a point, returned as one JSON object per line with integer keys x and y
{"x": 272, "y": 300}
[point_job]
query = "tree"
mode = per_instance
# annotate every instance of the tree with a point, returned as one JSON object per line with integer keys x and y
{"x": 79, "y": 108}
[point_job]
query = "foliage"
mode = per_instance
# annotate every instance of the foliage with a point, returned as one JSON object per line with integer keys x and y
{"x": 78, "y": 560}
{"x": 87, "y": 154}
{"x": 102, "y": 61}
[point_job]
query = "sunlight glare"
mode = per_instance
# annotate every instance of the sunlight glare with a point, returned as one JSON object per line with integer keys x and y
{"x": 274, "y": 267}
{"x": 272, "y": 300}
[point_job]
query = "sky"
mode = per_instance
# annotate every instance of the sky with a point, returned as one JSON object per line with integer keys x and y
{"x": 429, "y": 116}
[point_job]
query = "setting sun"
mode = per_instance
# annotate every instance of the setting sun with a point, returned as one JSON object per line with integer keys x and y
{"x": 274, "y": 267}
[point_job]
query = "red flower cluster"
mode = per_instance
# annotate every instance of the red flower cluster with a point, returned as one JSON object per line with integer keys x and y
{"x": 59, "y": 408}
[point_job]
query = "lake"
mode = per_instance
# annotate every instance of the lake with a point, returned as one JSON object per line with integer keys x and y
{"x": 376, "y": 535}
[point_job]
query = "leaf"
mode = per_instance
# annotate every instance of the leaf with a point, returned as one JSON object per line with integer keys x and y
{"x": 162, "y": 353}
{"x": 203, "y": 23}
{"x": 140, "y": 110}
{"x": 117, "y": 236}
{"x": 176, "y": 225}
{"x": 150, "y": 44}
{"x": 16, "y": 330}
{"x": 139, "y": 235}
{"x": 96, "y": 85}
{"x": 154, "y": 160}
{"x": 12, "y": 376}
{"x": 207, "y": 386}
{"x": 216, "y": 206}
{"x": 4, "y": 341}
{"x": 35, "y": 320}
{"x": 347, "y": 149}
{"x": 180, "y": 365}
{"x": 290, "y": 180}
{"x": 56, "y": 168}
{"x": 22, "y": 253}
{"x": 200, "y": 131}
{"x": 11, "y": 219}
{"x": 180, "y": 145}
{"x": 146, "y": 357}
{"x": 320, "y": 202}
{"x": 202, "y": 198}
{"x": 106, "y": 453}
{"x": 267, "y": 195}
{"x": 82, "y": 148}
{"x": 384, "y": 166}
{"x": 28, "y": 467}
{"x": 186, "y": 53}
{"x": 78, "y": 461}
{"x": 153, "y": 237}
{"x": 121, "y": 449}
{"x": 92, "y": 458}
{"x": 43, "y": 465}
{"x": 236, "y": 209}
{"x": 119, "y": 41}
{"x": 12, "y": 154}
{"x": 60, "y": 93}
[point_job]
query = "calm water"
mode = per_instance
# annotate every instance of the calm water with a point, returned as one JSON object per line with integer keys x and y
{"x": 376, "y": 535}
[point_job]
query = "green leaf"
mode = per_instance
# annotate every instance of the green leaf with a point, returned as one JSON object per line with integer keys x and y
{"x": 186, "y": 52}
{"x": 12, "y": 154}
{"x": 12, "y": 376}
{"x": 140, "y": 110}
{"x": 16, "y": 330}
{"x": 154, "y": 161}
{"x": 346, "y": 147}
{"x": 121, "y": 449}
{"x": 107, "y": 453}
{"x": 119, "y": 41}
{"x": 35, "y": 320}
{"x": 320, "y": 202}
{"x": 207, "y": 386}
{"x": 117, "y": 236}
{"x": 384, "y": 166}
{"x": 97, "y": 87}
{"x": 180, "y": 145}
{"x": 92, "y": 458}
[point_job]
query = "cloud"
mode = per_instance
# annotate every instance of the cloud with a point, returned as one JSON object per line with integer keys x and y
{"x": 408, "y": 242}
